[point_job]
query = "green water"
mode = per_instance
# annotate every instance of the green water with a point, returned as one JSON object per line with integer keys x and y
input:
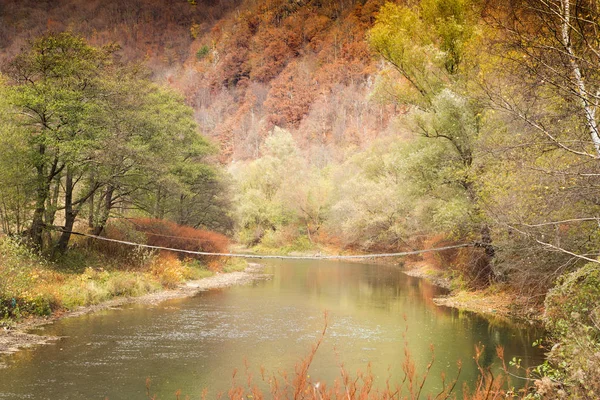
{"x": 196, "y": 343}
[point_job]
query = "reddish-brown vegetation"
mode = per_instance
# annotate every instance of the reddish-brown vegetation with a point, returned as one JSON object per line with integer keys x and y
{"x": 311, "y": 59}
{"x": 162, "y": 233}
{"x": 156, "y": 30}
{"x": 306, "y": 58}
{"x": 168, "y": 234}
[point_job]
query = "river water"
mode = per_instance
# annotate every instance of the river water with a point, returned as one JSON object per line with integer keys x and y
{"x": 196, "y": 343}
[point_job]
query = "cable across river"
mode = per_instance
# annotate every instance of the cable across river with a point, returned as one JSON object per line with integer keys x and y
{"x": 280, "y": 257}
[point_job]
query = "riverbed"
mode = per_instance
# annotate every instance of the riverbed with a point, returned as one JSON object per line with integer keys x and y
{"x": 196, "y": 343}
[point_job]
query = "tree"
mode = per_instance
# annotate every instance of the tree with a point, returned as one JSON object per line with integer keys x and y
{"x": 555, "y": 44}
{"x": 98, "y": 134}
{"x": 264, "y": 186}
{"x": 55, "y": 92}
{"x": 155, "y": 145}
{"x": 553, "y": 47}
{"x": 371, "y": 205}
{"x": 290, "y": 97}
{"x": 16, "y": 180}
{"x": 428, "y": 44}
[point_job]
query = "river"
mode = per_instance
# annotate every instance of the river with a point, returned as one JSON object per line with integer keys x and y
{"x": 196, "y": 343}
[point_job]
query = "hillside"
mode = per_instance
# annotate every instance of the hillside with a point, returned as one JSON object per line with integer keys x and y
{"x": 156, "y": 31}
{"x": 304, "y": 66}
{"x": 244, "y": 68}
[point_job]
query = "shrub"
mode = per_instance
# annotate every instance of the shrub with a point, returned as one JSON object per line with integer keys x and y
{"x": 95, "y": 286}
{"x": 168, "y": 271}
{"x": 573, "y": 318}
{"x": 235, "y": 265}
{"x": 130, "y": 284}
{"x": 202, "y": 52}
{"x": 170, "y": 235}
{"x": 118, "y": 229}
{"x": 19, "y": 271}
{"x": 575, "y": 300}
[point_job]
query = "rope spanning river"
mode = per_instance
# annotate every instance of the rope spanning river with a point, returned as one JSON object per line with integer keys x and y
{"x": 196, "y": 343}
{"x": 273, "y": 257}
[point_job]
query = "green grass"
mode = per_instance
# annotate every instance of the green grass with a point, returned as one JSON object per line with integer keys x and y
{"x": 235, "y": 265}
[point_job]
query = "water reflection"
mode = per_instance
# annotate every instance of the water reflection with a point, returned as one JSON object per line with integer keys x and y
{"x": 195, "y": 343}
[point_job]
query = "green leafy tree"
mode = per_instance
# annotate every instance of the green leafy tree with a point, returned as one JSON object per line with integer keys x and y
{"x": 264, "y": 187}
{"x": 429, "y": 44}
{"x": 371, "y": 204}
{"x": 16, "y": 178}
{"x": 157, "y": 159}
{"x": 96, "y": 135}
{"x": 55, "y": 86}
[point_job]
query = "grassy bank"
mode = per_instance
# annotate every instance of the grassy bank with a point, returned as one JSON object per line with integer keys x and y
{"x": 496, "y": 300}
{"x": 30, "y": 284}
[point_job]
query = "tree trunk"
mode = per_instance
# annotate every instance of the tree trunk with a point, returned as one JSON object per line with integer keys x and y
{"x": 51, "y": 208}
{"x": 589, "y": 110}
{"x": 157, "y": 205}
{"x": 105, "y": 212}
{"x": 45, "y": 177}
{"x": 485, "y": 273}
{"x": 486, "y": 241}
{"x": 37, "y": 222}
{"x": 5, "y": 218}
{"x": 70, "y": 215}
{"x": 91, "y": 223}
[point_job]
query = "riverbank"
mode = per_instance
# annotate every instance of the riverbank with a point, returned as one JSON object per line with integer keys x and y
{"x": 496, "y": 301}
{"x": 17, "y": 337}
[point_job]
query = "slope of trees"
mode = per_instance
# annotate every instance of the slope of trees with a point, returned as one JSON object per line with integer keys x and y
{"x": 303, "y": 66}
{"x": 158, "y": 31}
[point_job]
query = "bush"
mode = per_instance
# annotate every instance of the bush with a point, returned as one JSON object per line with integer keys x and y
{"x": 170, "y": 235}
{"x": 235, "y": 265}
{"x": 574, "y": 300}
{"x": 168, "y": 271}
{"x": 19, "y": 272}
{"x": 94, "y": 286}
{"x": 119, "y": 229}
{"x": 573, "y": 318}
{"x": 202, "y": 52}
{"x": 130, "y": 284}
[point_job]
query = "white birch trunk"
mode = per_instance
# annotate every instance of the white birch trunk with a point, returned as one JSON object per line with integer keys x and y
{"x": 588, "y": 107}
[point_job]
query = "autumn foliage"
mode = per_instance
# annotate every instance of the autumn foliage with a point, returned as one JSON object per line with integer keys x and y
{"x": 282, "y": 63}
{"x": 168, "y": 234}
{"x": 272, "y": 62}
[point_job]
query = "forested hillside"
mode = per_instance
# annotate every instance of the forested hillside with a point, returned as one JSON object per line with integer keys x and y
{"x": 243, "y": 67}
{"x": 156, "y": 31}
